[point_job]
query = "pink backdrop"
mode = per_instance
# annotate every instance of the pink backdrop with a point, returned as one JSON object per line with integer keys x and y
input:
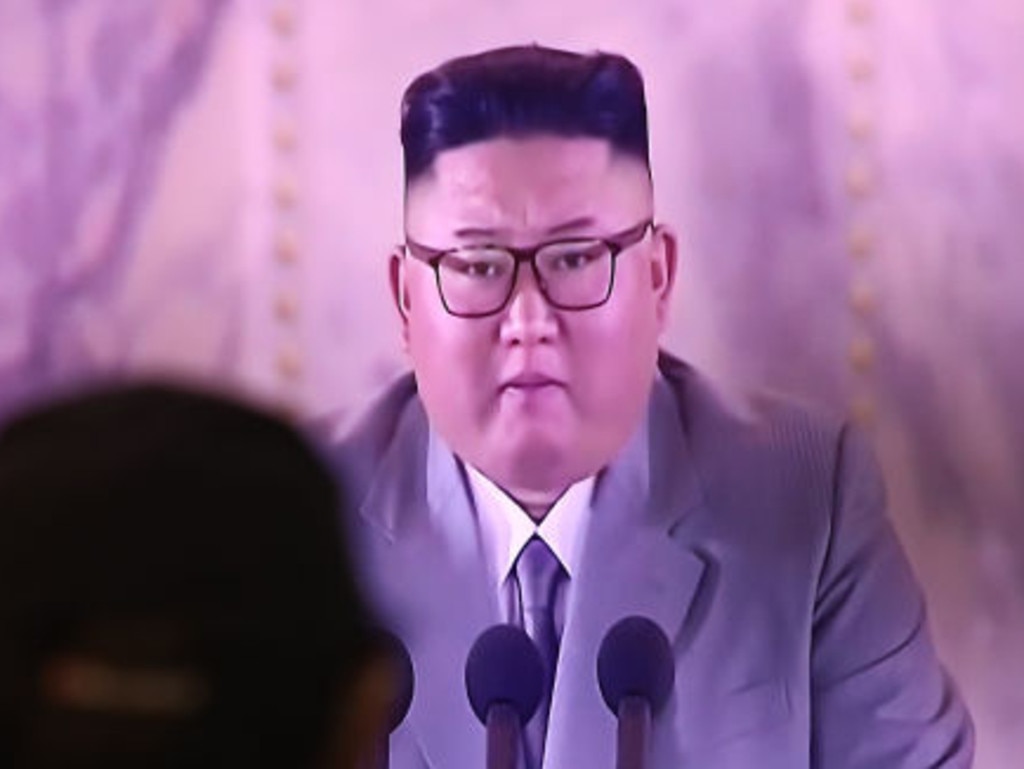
{"x": 208, "y": 188}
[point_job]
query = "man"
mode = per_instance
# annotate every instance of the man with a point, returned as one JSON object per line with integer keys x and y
{"x": 542, "y": 425}
{"x": 173, "y": 592}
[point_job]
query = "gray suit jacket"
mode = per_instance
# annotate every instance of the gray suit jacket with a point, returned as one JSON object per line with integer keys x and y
{"x": 753, "y": 533}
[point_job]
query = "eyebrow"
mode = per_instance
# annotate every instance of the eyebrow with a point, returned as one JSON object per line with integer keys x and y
{"x": 579, "y": 223}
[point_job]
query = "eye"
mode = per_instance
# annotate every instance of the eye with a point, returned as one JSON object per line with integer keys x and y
{"x": 480, "y": 265}
{"x": 574, "y": 257}
{"x": 482, "y": 269}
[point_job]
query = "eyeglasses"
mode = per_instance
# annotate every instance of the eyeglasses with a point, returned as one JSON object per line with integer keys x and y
{"x": 575, "y": 274}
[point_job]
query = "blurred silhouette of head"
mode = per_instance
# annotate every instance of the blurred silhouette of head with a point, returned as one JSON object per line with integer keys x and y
{"x": 174, "y": 590}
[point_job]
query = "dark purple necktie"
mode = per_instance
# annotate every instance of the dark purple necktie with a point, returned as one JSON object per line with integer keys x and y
{"x": 539, "y": 573}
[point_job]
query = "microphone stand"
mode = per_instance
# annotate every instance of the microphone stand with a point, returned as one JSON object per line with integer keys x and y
{"x": 634, "y": 731}
{"x": 503, "y": 737}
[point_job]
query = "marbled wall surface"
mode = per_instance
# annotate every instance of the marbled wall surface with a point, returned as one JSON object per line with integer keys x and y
{"x": 115, "y": 197}
{"x": 210, "y": 187}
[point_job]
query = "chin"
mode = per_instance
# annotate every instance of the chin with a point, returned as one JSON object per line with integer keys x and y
{"x": 544, "y": 469}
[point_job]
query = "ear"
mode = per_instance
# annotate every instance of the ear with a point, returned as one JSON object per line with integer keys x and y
{"x": 399, "y": 289}
{"x": 664, "y": 264}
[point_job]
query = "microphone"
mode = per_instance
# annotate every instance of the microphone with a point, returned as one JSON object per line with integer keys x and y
{"x": 504, "y": 682}
{"x": 636, "y": 672}
{"x": 390, "y": 648}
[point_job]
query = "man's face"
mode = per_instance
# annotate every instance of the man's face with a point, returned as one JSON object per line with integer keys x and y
{"x": 535, "y": 397}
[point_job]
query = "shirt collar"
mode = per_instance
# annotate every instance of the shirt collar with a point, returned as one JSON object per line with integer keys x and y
{"x": 505, "y": 527}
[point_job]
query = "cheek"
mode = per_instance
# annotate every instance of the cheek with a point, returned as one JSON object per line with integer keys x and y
{"x": 626, "y": 326}
{"x": 451, "y": 356}
{"x": 429, "y": 326}
{"x": 615, "y": 353}
{"x": 439, "y": 340}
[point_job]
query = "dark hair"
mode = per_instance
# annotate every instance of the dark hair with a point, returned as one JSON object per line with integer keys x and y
{"x": 520, "y": 91}
{"x": 153, "y": 508}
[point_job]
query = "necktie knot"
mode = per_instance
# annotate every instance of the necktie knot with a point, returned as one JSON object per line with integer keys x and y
{"x": 538, "y": 570}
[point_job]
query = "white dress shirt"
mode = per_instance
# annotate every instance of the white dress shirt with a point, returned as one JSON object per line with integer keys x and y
{"x": 504, "y": 529}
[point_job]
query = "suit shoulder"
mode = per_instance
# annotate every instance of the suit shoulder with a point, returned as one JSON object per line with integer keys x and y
{"x": 707, "y": 405}
{"x": 750, "y": 439}
{"x": 357, "y": 447}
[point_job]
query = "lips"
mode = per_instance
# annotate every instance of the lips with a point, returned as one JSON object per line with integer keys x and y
{"x": 530, "y": 380}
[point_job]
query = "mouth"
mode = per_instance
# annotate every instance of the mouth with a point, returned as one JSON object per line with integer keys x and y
{"x": 529, "y": 382}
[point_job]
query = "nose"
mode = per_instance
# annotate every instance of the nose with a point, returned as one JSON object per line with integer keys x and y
{"x": 528, "y": 318}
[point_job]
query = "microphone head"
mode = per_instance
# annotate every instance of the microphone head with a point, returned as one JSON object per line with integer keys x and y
{"x": 635, "y": 660}
{"x": 504, "y": 667}
{"x": 390, "y": 647}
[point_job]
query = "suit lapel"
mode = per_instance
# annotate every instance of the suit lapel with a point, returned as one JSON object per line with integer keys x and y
{"x": 436, "y": 585}
{"x": 631, "y": 565}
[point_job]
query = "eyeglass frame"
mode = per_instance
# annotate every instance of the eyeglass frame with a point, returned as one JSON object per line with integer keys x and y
{"x": 616, "y": 243}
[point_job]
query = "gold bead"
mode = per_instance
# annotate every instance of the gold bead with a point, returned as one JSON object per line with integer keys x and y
{"x": 858, "y": 179}
{"x": 289, "y": 364}
{"x": 284, "y": 76}
{"x": 863, "y": 410}
{"x": 282, "y": 19}
{"x": 286, "y": 247}
{"x": 859, "y": 125}
{"x": 285, "y": 138}
{"x": 286, "y": 307}
{"x": 859, "y": 11}
{"x": 862, "y": 299}
{"x": 862, "y": 354}
{"x": 861, "y": 68}
{"x": 860, "y": 242}
{"x": 285, "y": 193}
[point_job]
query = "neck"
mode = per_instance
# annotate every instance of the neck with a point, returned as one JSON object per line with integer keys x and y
{"x": 536, "y": 504}
{"x": 537, "y": 512}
